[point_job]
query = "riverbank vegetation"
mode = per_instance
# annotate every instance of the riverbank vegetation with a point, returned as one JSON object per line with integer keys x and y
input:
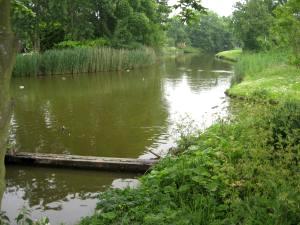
{"x": 230, "y": 55}
{"x": 242, "y": 170}
{"x": 42, "y": 25}
{"x": 82, "y": 60}
{"x": 266, "y": 76}
{"x": 44, "y": 28}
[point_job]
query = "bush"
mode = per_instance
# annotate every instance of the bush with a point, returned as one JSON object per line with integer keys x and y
{"x": 226, "y": 175}
{"x": 68, "y": 44}
{"x": 100, "y": 42}
{"x": 285, "y": 126}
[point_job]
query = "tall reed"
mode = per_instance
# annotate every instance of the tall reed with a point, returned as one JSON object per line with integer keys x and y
{"x": 251, "y": 63}
{"x": 82, "y": 60}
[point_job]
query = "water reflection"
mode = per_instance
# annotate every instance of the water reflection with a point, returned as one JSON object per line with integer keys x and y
{"x": 110, "y": 114}
{"x": 116, "y": 114}
{"x": 104, "y": 115}
{"x": 62, "y": 195}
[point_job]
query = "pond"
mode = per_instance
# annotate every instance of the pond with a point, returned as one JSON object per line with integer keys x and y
{"x": 120, "y": 114}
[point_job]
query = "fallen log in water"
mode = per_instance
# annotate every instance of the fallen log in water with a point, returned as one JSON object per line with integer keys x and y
{"x": 80, "y": 162}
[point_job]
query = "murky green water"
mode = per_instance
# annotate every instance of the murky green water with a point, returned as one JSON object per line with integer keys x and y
{"x": 110, "y": 114}
{"x": 115, "y": 114}
{"x": 61, "y": 195}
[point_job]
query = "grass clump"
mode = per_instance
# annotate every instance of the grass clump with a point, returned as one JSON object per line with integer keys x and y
{"x": 266, "y": 76}
{"x": 82, "y": 60}
{"x": 191, "y": 50}
{"x": 227, "y": 175}
{"x": 231, "y": 55}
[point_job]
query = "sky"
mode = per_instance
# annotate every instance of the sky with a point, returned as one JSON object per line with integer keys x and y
{"x": 221, "y": 7}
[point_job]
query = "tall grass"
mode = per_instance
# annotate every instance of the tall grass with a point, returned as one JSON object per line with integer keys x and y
{"x": 253, "y": 63}
{"x": 82, "y": 60}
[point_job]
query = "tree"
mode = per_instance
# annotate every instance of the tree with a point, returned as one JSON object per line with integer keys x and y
{"x": 177, "y": 31}
{"x": 41, "y": 24}
{"x": 189, "y": 9}
{"x": 211, "y": 33}
{"x": 7, "y": 55}
{"x": 252, "y": 21}
{"x": 287, "y": 26}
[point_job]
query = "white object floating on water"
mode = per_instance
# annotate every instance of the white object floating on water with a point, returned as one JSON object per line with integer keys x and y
{"x": 200, "y": 70}
{"x": 127, "y": 71}
{"x": 189, "y": 70}
{"x": 63, "y": 78}
{"x": 221, "y": 71}
{"x": 21, "y": 87}
{"x": 125, "y": 183}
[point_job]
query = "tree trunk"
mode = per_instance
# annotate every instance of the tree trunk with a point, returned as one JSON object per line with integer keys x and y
{"x": 7, "y": 57}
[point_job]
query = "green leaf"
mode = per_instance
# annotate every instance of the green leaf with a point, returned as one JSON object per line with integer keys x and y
{"x": 109, "y": 215}
{"x": 19, "y": 218}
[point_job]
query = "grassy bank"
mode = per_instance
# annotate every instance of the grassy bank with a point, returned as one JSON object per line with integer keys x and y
{"x": 231, "y": 55}
{"x": 242, "y": 171}
{"x": 82, "y": 60}
{"x": 266, "y": 76}
{"x": 174, "y": 51}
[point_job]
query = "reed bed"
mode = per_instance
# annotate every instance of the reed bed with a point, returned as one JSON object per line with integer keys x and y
{"x": 82, "y": 60}
{"x": 251, "y": 64}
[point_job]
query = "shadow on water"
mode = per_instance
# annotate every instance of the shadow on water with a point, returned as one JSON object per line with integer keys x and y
{"x": 60, "y": 194}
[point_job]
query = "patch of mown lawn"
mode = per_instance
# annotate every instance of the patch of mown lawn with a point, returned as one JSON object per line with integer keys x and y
{"x": 231, "y": 55}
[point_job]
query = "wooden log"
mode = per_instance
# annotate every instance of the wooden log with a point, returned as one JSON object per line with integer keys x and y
{"x": 80, "y": 162}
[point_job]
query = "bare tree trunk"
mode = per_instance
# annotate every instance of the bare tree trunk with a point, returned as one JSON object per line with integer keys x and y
{"x": 7, "y": 58}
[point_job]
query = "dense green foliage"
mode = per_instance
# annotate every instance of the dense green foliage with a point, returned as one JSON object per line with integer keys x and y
{"x": 252, "y": 21}
{"x": 82, "y": 60}
{"x": 268, "y": 24}
{"x": 234, "y": 173}
{"x": 211, "y": 33}
{"x": 189, "y": 9}
{"x": 42, "y": 24}
{"x": 177, "y": 32}
{"x": 287, "y": 27}
{"x": 208, "y": 32}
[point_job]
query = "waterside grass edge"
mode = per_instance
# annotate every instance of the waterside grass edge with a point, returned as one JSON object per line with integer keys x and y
{"x": 244, "y": 170}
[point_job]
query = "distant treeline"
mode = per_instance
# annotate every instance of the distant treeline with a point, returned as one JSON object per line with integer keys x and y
{"x": 209, "y": 32}
{"x": 263, "y": 25}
